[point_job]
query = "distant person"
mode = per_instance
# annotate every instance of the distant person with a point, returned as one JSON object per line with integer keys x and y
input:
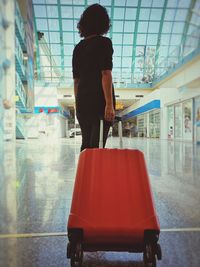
{"x": 198, "y": 115}
{"x": 92, "y": 73}
{"x": 187, "y": 124}
{"x": 171, "y": 132}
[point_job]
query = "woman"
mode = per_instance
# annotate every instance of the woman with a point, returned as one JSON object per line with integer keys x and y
{"x": 92, "y": 73}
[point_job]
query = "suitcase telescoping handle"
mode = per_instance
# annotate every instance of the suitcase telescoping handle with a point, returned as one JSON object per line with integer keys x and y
{"x": 119, "y": 120}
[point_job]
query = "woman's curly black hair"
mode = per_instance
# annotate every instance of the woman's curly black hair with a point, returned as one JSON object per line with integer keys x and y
{"x": 94, "y": 20}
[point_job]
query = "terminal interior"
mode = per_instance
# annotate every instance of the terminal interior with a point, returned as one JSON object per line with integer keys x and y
{"x": 156, "y": 76}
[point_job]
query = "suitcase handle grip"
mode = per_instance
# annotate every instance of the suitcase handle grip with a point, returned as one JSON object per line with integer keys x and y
{"x": 119, "y": 119}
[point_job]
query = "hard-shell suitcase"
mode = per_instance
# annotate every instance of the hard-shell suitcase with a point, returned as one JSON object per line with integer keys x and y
{"x": 112, "y": 206}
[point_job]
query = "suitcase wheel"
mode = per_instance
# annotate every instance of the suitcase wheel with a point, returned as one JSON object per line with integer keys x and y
{"x": 75, "y": 252}
{"x": 158, "y": 252}
{"x": 149, "y": 255}
{"x": 69, "y": 250}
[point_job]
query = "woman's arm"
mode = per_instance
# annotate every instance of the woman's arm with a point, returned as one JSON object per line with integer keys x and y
{"x": 109, "y": 114}
{"x": 76, "y": 82}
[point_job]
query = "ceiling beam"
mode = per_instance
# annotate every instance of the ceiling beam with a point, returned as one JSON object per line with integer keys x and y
{"x": 159, "y": 37}
{"x": 37, "y": 48}
{"x": 61, "y": 39}
{"x": 122, "y": 41}
{"x": 186, "y": 26}
{"x": 135, "y": 40}
{"x": 112, "y": 17}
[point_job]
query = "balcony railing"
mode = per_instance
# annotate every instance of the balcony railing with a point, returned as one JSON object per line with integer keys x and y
{"x": 179, "y": 53}
{"x": 19, "y": 27}
{"x": 19, "y": 60}
{"x": 20, "y": 91}
{"x": 20, "y": 128}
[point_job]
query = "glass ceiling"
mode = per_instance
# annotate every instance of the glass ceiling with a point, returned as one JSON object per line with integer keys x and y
{"x": 149, "y": 37}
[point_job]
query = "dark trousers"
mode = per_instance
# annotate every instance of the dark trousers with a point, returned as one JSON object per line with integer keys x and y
{"x": 90, "y": 132}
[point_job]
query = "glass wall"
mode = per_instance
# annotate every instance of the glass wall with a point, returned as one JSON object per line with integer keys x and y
{"x": 187, "y": 120}
{"x": 142, "y": 125}
{"x": 154, "y": 124}
{"x": 147, "y": 124}
{"x": 180, "y": 120}
{"x": 170, "y": 116}
{"x": 149, "y": 37}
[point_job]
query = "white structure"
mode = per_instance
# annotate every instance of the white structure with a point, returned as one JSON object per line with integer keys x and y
{"x": 7, "y": 70}
{"x": 176, "y": 115}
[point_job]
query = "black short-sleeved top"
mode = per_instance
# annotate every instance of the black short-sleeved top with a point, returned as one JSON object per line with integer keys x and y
{"x": 90, "y": 57}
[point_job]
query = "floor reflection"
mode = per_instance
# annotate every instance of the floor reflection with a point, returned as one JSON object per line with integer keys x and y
{"x": 36, "y": 185}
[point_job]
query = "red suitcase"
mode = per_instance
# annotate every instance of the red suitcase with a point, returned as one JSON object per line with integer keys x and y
{"x": 112, "y": 206}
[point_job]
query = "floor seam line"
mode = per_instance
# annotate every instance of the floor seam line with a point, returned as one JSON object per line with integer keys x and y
{"x": 52, "y": 234}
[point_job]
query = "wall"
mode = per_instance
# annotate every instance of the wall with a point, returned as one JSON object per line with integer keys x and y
{"x": 44, "y": 125}
{"x": 7, "y": 71}
{"x": 32, "y": 126}
{"x": 55, "y": 123}
{"x": 171, "y": 96}
{"x": 183, "y": 76}
{"x": 182, "y": 85}
{"x": 122, "y": 93}
{"x": 2, "y": 33}
{"x": 45, "y": 96}
{"x": 26, "y": 9}
{"x": 148, "y": 98}
{"x": 61, "y": 126}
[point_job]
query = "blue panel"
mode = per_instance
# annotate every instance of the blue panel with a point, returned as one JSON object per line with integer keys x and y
{"x": 25, "y": 110}
{"x": 149, "y": 106}
{"x": 45, "y": 109}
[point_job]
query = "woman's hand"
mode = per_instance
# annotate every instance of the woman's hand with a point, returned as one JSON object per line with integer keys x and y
{"x": 109, "y": 113}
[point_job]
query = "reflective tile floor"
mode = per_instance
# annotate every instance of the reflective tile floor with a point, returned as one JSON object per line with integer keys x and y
{"x": 36, "y": 183}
